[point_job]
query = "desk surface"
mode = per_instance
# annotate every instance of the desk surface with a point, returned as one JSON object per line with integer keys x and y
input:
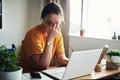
{"x": 100, "y": 75}
{"x": 95, "y": 75}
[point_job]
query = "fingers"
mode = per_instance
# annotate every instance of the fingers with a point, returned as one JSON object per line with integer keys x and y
{"x": 54, "y": 30}
{"x": 57, "y": 27}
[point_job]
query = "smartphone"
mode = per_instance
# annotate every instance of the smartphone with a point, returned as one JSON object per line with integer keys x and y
{"x": 35, "y": 75}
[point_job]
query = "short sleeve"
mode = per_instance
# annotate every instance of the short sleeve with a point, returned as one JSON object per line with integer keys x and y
{"x": 33, "y": 43}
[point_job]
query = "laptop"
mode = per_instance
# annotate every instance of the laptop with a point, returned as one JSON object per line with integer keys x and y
{"x": 81, "y": 63}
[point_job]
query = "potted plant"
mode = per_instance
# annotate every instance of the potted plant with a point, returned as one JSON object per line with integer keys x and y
{"x": 82, "y": 32}
{"x": 113, "y": 59}
{"x": 8, "y": 60}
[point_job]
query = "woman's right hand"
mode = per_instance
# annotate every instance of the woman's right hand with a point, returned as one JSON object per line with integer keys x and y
{"x": 53, "y": 31}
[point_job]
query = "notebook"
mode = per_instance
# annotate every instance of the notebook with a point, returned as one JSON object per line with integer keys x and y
{"x": 80, "y": 63}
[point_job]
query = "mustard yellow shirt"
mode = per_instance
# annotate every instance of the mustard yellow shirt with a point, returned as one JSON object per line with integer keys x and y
{"x": 34, "y": 43}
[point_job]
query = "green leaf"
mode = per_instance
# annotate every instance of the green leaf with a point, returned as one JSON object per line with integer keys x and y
{"x": 113, "y": 52}
{"x": 8, "y": 59}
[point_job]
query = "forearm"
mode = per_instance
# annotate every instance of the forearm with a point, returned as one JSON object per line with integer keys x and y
{"x": 46, "y": 56}
{"x": 63, "y": 60}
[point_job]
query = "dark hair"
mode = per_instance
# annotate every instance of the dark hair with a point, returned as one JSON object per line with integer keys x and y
{"x": 51, "y": 8}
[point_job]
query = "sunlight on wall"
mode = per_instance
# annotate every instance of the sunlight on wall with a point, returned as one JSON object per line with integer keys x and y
{"x": 100, "y": 18}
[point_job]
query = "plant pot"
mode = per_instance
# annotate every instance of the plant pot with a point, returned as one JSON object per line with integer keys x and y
{"x": 113, "y": 62}
{"x": 115, "y": 59}
{"x": 13, "y": 75}
{"x": 82, "y": 33}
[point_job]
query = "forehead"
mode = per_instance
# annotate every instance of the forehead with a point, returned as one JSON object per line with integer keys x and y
{"x": 53, "y": 17}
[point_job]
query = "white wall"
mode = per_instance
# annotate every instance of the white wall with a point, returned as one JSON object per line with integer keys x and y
{"x": 18, "y": 17}
{"x": 85, "y": 43}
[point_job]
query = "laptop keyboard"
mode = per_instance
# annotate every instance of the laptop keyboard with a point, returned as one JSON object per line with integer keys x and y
{"x": 57, "y": 72}
{"x": 58, "y": 75}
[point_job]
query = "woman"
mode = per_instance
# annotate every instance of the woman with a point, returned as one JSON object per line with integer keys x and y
{"x": 43, "y": 42}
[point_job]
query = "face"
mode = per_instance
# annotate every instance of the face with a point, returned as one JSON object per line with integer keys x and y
{"x": 52, "y": 19}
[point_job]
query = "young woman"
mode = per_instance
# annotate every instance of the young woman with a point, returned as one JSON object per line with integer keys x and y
{"x": 45, "y": 41}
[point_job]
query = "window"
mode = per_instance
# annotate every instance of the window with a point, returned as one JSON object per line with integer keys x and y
{"x": 100, "y": 18}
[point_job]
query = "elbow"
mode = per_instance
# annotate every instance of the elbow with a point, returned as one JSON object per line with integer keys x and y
{"x": 43, "y": 67}
{"x": 40, "y": 66}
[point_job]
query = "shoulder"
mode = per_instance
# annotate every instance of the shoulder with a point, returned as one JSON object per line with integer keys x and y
{"x": 34, "y": 31}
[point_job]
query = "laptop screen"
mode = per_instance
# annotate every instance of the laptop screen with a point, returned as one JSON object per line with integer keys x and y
{"x": 81, "y": 63}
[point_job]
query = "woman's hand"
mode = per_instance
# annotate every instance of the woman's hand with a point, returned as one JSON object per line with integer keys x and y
{"x": 53, "y": 31}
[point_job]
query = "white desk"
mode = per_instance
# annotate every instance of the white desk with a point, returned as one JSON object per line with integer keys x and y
{"x": 95, "y": 75}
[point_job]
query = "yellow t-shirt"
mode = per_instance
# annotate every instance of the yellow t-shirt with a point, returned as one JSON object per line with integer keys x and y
{"x": 34, "y": 43}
